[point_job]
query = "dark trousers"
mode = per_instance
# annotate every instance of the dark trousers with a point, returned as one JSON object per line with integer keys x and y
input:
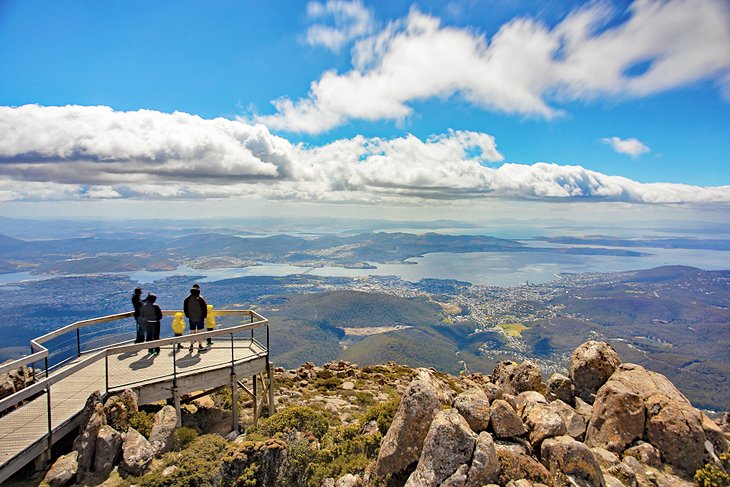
{"x": 153, "y": 333}
{"x": 141, "y": 330}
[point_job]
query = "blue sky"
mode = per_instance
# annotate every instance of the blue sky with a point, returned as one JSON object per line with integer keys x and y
{"x": 367, "y": 103}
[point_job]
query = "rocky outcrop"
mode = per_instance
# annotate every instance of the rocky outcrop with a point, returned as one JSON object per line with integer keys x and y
{"x": 264, "y": 458}
{"x": 591, "y": 364}
{"x": 449, "y": 443}
{"x": 119, "y": 408}
{"x": 92, "y": 419}
{"x": 543, "y": 422}
{"x": 63, "y": 471}
{"x": 513, "y": 378}
{"x": 403, "y": 443}
{"x": 560, "y": 387}
{"x": 564, "y": 455}
{"x": 473, "y": 405}
{"x": 137, "y": 453}
{"x": 162, "y": 434}
{"x": 485, "y": 464}
{"x": 108, "y": 446}
{"x": 505, "y": 422}
{"x": 515, "y": 465}
{"x": 15, "y": 380}
{"x": 617, "y": 420}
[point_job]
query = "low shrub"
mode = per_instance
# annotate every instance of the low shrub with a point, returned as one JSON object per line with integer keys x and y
{"x": 712, "y": 475}
{"x": 382, "y": 414}
{"x": 311, "y": 419}
{"x": 184, "y": 436}
{"x": 142, "y": 421}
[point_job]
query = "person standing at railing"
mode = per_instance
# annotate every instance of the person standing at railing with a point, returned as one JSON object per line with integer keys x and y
{"x": 152, "y": 314}
{"x": 137, "y": 302}
{"x": 196, "y": 310}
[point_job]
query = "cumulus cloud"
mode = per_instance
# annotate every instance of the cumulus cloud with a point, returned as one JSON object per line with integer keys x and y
{"x": 631, "y": 146}
{"x": 525, "y": 68}
{"x": 351, "y": 20}
{"x": 78, "y": 153}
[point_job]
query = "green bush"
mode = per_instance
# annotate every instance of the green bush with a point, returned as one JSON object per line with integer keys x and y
{"x": 383, "y": 414}
{"x": 301, "y": 418}
{"x": 184, "y": 436}
{"x": 713, "y": 476}
{"x": 142, "y": 421}
{"x": 328, "y": 384}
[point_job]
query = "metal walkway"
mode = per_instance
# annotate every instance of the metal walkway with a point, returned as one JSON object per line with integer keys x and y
{"x": 34, "y": 418}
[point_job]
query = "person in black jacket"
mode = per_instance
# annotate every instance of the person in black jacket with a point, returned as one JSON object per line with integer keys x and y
{"x": 151, "y": 314}
{"x": 137, "y": 302}
{"x": 196, "y": 310}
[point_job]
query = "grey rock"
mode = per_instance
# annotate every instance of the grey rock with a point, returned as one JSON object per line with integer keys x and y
{"x": 504, "y": 420}
{"x": 573, "y": 458}
{"x": 575, "y": 424}
{"x": 85, "y": 442}
{"x": 108, "y": 446}
{"x": 645, "y": 453}
{"x": 714, "y": 433}
{"x": 349, "y": 480}
{"x": 514, "y": 465}
{"x": 543, "y": 422}
{"x": 527, "y": 399}
{"x": 560, "y": 387}
{"x": 162, "y": 434}
{"x": 137, "y": 453}
{"x": 64, "y": 470}
{"x": 473, "y": 405}
{"x": 403, "y": 443}
{"x": 617, "y": 420}
{"x": 514, "y": 378}
{"x": 591, "y": 364}
{"x": 485, "y": 464}
{"x": 458, "y": 479}
{"x": 449, "y": 443}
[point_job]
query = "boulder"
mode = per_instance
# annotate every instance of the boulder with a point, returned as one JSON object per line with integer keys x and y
{"x": 108, "y": 446}
{"x": 473, "y": 405}
{"x": 63, "y": 471}
{"x": 543, "y": 422}
{"x": 403, "y": 442}
{"x": 119, "y": 408}
{"x": 513, "y": 378}
{"x": 493, "y": 391}
{"x": 527, "y": 399}
{"x": 162, "y": 434}
{"x": 714, "y": 434}
{"x": 617, "y": 419}
{"x": 591, "y": 364}
{"x": 85, "y": 442}
{"x": 513, "y": 465}
{"x": 672, "y": 424}
{"x": 449, "y": 443}
{"x": 644, "y": 453}
{"x": 349, "y": 480}
{"x": 560, "y": 387}
{"x": 458, "y": 478}
{"x": 137, "y": 453}
{"x": 504, "y": 420}
{"x": 575, "y": 424}
{"x": 484, "y": 464}
{"x": 565, "y": 455}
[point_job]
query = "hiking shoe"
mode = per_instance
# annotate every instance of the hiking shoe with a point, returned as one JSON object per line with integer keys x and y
{"x": 200, "y": 348}
{"x": 179, "y": 346}
{"x": 190, "y": 349}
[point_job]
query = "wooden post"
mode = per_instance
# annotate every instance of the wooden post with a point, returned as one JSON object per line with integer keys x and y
{"x": 176, "y": 402}
{"x": 234, "y": 403}
{"x": 270, "y": 373}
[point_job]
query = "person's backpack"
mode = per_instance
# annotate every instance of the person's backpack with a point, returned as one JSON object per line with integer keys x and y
{"x": 148, "y": 312}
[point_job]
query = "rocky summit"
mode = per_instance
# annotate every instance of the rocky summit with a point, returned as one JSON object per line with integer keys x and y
{"x": 604, "y": 424}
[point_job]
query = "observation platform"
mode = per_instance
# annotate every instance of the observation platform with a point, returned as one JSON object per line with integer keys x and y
{"x": 70, "y": 363}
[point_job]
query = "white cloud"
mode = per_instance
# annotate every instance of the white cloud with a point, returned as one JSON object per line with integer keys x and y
{"x": 631, "y": 146}
{"x": 351, "y": 20}
{"x": 524, "y": 68}
{"x": 82, "y": 153}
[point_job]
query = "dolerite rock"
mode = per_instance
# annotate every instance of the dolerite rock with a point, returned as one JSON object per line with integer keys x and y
{"x": 403, "y": 442}
{"x": 575, "y": 424}
{"x": 714, "y": 434}
{"x": 162, "y": 434}
{"x": 119, "y": 408}
{"x": 85, "y": 442}
{"x": 63, "y": 471}
{"x": 560, "y": 387}
{"x": 591, "y": 364}
{"x": 543, "y": 422}
{"x": 265, "y": 458}
{"x": 473, "y": 405}
{"x": 504, "y": 420}
{"x": 515, "y": 465}
{"x": 484, "y": 464}
{"x": 528, "y": 398}
{"x": 137, "y": 453}
{"x": 349, "y": 480}
{"x": 573, "y": 458}
{"x": 458, "y": 478}
{"x": 513, "y": 378}
{"x": 617, "y": 420}
{"x": 672, "y": 424}
{"x": 644, "y": 453}
{"x": 108, "y": 446}
{"x": 449, "y": 443}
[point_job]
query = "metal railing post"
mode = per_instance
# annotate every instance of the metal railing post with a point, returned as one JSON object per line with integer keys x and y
{"x": 233, "y": 360}
{"x": 50, "y": 425}
{"x": 46, "y": 363}
{"x": 78, "y": 341}
{"x": 106, "y": 371}
{"x": 267, "y": 338}
{"x": 174, "y": 365}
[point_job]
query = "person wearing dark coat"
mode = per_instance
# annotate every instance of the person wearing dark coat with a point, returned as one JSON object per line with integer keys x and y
{"x": 196, "y": 310}
{"x": 151, "y": 314}
{"x": 137, "y": 303}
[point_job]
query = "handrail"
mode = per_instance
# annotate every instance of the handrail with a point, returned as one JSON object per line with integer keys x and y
{"x": 42, "y": 352}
